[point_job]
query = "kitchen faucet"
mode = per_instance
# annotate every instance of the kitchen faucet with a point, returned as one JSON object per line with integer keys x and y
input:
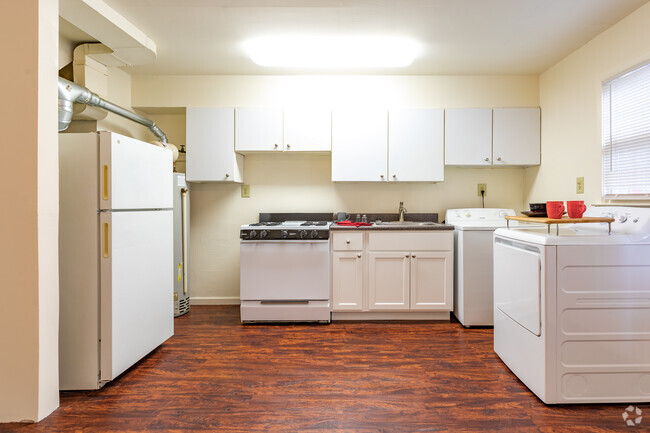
{"x": 402, "y": 211}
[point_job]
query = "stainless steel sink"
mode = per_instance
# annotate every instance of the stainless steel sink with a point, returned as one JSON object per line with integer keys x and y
{"x": 407, "y": 223}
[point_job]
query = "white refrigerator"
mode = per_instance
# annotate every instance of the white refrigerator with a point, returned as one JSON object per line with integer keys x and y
{"x": 115, "y": 255}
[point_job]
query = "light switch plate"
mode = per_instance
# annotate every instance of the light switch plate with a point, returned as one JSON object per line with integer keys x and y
{"x": 580, "y": 185}
{"x": 245, "y": 191}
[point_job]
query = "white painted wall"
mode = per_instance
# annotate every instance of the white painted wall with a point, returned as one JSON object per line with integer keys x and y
{"x": 301, "y": 183}
{"x": 570, "y": 97}
{"x": 29, "y": 314}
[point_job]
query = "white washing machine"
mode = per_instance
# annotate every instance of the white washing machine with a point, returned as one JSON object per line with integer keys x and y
{"x": 572, "y": 309}
{"x": 473, "y": 230}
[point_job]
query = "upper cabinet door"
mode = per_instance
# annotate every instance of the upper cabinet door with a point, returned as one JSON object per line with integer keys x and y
{"x": 416, "y": 145}
{"x": 308, "y": 129}
{"x": 359, "y": 145}
{"x": 468, "y": 136}
{"x": 258, "y": 129}
{"x": 516, "y": 138}
{"x": 210, "y": 140}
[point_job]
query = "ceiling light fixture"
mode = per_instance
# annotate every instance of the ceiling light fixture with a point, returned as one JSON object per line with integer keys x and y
{"x": 332, "y": 52}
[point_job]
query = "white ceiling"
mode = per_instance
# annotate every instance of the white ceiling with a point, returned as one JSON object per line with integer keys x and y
{"x": 459, "y": 36}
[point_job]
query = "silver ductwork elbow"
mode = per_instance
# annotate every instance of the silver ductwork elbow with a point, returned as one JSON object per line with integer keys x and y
{"x": 70, "y": 92}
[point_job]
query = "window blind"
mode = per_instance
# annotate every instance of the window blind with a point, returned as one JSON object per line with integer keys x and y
{"x": 626, "y": 135}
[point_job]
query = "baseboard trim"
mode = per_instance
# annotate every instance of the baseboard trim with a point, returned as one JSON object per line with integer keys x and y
{"x": 416, "y": 315}
{"x": 215, "y": 300}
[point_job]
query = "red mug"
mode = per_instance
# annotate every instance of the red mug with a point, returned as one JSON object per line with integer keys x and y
{"x": 576, "y": 208}
{"x": 554, "y": 209}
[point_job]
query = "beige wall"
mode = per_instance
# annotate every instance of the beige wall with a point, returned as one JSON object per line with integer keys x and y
{"x": 29, "y": 387}
{"x": 301, "y": 183}
{"x": 570, "y": 97}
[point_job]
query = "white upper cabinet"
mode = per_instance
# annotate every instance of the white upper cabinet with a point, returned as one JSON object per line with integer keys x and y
{"x": 468, "y": 136}
{"x": 516, "y": 136}
{"x": 308, "y": 129}
{"x": 210, "y": 140}
{"x": 258, "y": 129}
{"x": 359, "y": 144}
{"x": 416, "y": 145}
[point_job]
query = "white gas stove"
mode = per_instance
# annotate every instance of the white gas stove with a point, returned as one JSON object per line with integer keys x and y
{"x": 284, "y": 271}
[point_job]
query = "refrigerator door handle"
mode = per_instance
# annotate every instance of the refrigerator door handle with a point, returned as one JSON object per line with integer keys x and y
{"x": 106, "y": 252}
{"x": 184, "y": 193}
{"x": 105, "y": 182}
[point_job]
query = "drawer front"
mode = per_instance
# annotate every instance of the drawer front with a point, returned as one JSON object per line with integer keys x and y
{"x": 347, "y": 241}
{"x": 401, "y": 240}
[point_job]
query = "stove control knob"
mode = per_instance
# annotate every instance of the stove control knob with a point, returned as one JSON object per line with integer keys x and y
{"x": 303, "y": 234}
{"x": 314, "y": 234}
{"x": 285, "y": 234}
{"x": 622, "y": 219}
{"x": 264, "y": 234}
{"x": 253, "y": 234}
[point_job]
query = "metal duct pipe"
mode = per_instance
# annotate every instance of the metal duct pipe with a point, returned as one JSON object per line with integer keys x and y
{"x": 70, "y": 92}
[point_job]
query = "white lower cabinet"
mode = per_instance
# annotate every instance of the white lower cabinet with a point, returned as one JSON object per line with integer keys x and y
{"x": 392, "y": 272}
{"x": 431, "y": 285}
{"x": 347, "y": 281}
{"x": 388, "y": 281}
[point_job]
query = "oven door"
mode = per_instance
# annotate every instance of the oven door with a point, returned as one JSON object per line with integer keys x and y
{"x": 284, "y": 270}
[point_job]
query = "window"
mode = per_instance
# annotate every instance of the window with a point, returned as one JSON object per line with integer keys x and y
{"x": 626, "y": 135}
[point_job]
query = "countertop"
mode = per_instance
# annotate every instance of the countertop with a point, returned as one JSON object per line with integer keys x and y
{"x": 413, "y": 221}
{"x": 414, "y": 226}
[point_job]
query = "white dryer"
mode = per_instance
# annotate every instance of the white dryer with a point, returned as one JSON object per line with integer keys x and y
{"x": 473, "y": 229}
{"x": 572, "y": 308}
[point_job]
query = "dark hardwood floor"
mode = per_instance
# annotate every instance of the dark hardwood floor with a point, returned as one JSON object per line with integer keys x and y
{"x": 216, "y": 375}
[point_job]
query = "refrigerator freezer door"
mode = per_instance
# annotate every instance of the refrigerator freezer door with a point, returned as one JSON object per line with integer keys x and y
{"x": 133, "y": 174}
{"x": 137, "y": 311}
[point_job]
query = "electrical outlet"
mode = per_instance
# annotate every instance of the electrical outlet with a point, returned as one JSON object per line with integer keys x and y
{"x": 482, "y": 187}
{"x": 245, "y": 191}
{"x": 580, "y": 185}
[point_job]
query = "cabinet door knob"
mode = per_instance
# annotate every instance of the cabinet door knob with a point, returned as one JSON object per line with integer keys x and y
{"x": 413, "y": 256}
{"x": 288, "y": 146}
{"x": 381, "y": 175}
{"x": 347, "y": 241}
{"x": 486, "y": 159}
{"x": 276, "y": 145}
{"x": 359, "y": 255}
{"x": 227, "y": 175}
{"x": 394, "y": 176}
{"x": 499, "y": 159}
{"x": 406, "y": 255}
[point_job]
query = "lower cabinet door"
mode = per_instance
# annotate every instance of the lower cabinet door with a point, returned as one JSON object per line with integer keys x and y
{"x": 431, "y": 284}
{"x": 388, "y": 281}
{"x": 347, "y": 281}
